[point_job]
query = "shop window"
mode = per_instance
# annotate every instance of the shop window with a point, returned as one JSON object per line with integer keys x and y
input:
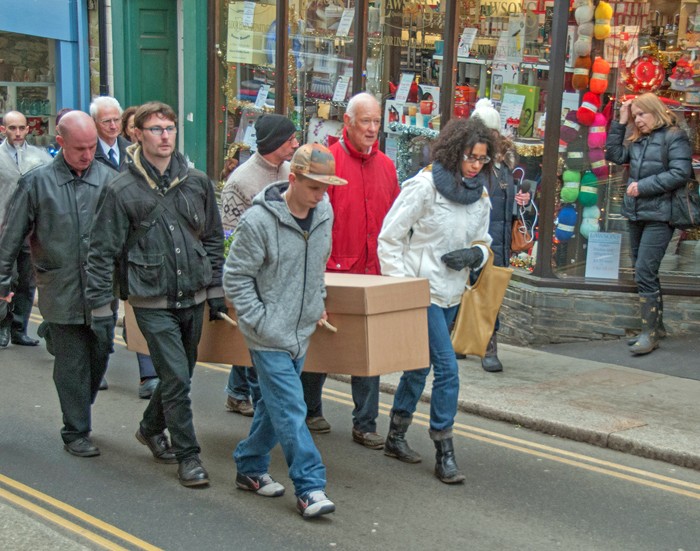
{"x": 618, "y": 50}
{"x": 27, "y": 83}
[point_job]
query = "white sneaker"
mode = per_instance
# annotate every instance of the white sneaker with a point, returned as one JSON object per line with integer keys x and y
{"x": 262, "y": 485}
{"x": 314, "y": 504}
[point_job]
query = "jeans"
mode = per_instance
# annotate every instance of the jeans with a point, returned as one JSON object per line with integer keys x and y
{"x": 648, "y": 243}
{"x": 172, "y": 336}
{"x": 365, "y": 395}
{"x": 78, "y": 367}
{"x": 243, "y": 383}
{"x": 280, "y": 416}
{"x": 443, "y": 402}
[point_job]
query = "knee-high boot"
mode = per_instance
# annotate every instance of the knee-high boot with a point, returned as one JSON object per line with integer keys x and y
{"x": 647, "y": 340}
{"x": 445, "y": 465}
{"x": 395, "y": 444}
{"x": 490, "y": 361}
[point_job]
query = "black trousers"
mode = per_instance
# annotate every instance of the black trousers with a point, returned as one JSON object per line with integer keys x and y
{"x": 79, "y": 365}
{"x": 24, "y": 287}
{"x": 172, "y": 336}
{"x": 648, "y": 243}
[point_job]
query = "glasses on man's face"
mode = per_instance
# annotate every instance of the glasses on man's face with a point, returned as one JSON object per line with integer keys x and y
{"x": 483, "y": 160}
{"x": 158, "y": 130}
{"x": 107, "y": 122}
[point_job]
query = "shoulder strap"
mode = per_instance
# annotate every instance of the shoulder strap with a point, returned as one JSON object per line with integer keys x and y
{"x": 145, "y": 225}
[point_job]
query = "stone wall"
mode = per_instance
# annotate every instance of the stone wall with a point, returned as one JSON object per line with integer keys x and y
{"x": 534, "y": 315}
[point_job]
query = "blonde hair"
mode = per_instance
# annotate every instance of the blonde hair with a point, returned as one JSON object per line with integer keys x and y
{"x": 650, "y": 103}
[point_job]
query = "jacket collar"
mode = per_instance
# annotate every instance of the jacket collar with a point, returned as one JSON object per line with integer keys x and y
{"x": 65, "y": 174}
{"x": 350, "y": 150}
{"x": 136, "y": 165}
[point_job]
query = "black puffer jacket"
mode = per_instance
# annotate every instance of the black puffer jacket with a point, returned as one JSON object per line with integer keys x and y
{"x": 55, "y": 208}
{"x": 502, "y": 195}
{"x": 656, "y": 173}
{"x": 178, "y": 262}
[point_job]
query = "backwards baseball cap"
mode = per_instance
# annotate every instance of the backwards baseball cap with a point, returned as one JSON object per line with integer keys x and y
{"x": 316, "y": 162}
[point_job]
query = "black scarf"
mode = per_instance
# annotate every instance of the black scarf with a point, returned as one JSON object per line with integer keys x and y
{"x": 454, "y": 187}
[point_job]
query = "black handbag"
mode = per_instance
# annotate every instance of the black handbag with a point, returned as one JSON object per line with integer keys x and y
{"x": 685, "y": 206}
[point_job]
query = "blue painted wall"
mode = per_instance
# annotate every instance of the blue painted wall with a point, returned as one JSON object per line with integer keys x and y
{"x": 64, "y": 21}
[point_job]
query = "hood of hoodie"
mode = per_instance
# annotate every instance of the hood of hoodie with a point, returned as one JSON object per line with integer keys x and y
{"x": 271, "y": 199}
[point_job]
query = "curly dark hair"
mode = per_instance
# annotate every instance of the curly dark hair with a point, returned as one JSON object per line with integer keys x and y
{"x": 458, "y": 136}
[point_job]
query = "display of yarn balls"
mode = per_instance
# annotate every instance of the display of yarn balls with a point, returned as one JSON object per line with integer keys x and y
{"x": 568, "y": 131}
{"x": 571, "y": 180}
{"x": 582, "y": 68}
{"x": 575, "y": 155}
{"x": 588, "y": 191}
{"x": 599, "y": 76}
{"x": 565, "y": 224}
{"x": 589, "y": 107}
{"x": 589, "y": 221}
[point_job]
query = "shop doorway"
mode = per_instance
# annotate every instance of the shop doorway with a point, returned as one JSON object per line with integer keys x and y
{"x": 150, "y": 51}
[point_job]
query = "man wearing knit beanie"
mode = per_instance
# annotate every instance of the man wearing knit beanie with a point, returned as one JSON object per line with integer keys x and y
{"x": 276, "y": 141}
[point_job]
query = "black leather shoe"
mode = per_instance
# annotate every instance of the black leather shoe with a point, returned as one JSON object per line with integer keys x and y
{"x": 159, "y": 446}
{"x": 23, "y": 340}
{"x": 191, "y": 473}
{"x": 4, "y": 336}
{"x": 82, "y": 447}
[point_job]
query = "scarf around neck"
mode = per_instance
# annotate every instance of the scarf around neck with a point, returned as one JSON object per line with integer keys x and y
{"x": 454, "y": 187}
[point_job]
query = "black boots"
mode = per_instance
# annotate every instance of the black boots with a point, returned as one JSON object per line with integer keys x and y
{"x": 445, "y": 465}
{"x": 490, "y": 361}
{"x": 395, "y": 444}
{"x": 647, "y": 340}
{"x": 660, "y": 328}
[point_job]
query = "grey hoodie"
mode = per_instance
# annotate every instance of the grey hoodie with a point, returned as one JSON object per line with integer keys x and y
{"x": 274, "y": 273}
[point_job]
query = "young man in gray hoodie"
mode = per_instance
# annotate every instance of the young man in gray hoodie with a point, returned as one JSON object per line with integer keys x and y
{"x": 274, "y": 276}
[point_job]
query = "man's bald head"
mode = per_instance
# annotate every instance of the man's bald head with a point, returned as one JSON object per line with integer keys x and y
{"x": 14, "y": 126}
{"x": 77, "y": 136}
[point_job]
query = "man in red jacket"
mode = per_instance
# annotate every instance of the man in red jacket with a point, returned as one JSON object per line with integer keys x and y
{"x": 359, "y": 210}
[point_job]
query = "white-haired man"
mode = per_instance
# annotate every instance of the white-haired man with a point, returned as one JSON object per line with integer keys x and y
{"x": 111, "y": 149}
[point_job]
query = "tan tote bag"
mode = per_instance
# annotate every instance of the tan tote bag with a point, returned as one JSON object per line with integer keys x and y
{"x": 480, "y": 305}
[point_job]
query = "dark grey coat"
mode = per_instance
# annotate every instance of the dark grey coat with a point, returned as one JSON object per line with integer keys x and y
{"x": 657, "y": 174}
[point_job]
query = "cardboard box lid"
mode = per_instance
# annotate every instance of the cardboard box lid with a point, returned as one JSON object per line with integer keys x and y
{"x": 373, "y": 294}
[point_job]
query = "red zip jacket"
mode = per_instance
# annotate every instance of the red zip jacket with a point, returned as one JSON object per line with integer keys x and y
{"x": 360, "y": 206}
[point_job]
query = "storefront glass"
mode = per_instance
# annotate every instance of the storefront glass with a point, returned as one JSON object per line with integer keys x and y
{"x": 618, "y": 50}
{"x": 27, "y": 82}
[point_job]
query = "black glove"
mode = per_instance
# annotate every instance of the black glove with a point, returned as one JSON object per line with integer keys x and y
{"x": 216, "y": 306}
{"x": 103, "y": 327}
{"x": 463, "y": 258}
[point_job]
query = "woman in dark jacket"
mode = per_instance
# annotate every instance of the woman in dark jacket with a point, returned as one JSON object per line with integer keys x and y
{"x": 504, "y": 196}
{"x": 659, "y": 157}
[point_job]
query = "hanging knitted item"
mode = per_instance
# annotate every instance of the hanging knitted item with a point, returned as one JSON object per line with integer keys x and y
{"x": 576, "y": 155}
{"x": 571, "y": 180}
{"x": 589, "y": 221}
{"x": 589, "y": 107}
{"x": 596, "y": 133}
{"x": 599, "y": 76}
{"x": 599, "y": 166}
{"x": 565, "y": 223}
{"x": 582, "y": 68}
{"x": 603, "y": 15}
{"x": 570, "y": 130}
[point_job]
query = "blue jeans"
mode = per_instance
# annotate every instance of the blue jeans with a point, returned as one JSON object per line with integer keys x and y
{"x": 648, "y": 242}
{"x": 280, "y": 416}
{"x": 365, "y": 395}
{"x": 243, "y": 383}
{"x": 443, "y": 401}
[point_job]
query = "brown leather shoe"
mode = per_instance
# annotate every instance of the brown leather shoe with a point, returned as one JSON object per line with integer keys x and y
{"x": 244, "y": 407}
{"x": 370, "y": 440}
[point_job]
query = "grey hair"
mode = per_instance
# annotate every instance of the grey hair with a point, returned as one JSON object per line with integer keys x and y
{"x": 103, "y": 102}
{"x": 358, "y": 99}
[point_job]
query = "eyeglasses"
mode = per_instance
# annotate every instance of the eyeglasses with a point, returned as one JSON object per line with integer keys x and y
{"x": 158, "y": 130}
{"x": 482, "y": 160}
{"x": 110, "y": 121}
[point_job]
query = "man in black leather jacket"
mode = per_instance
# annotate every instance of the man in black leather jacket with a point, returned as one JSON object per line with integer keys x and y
{"x": 164, "y": 215}
{"x": 54, "y": 206}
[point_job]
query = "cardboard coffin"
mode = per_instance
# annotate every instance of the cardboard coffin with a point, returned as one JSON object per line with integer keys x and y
{"x": 382, "y": 327}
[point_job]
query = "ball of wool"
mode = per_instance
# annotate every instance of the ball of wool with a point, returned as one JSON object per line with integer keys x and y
{"x": 603, "y": 15}
{"x": 583, "y": 44}
{"x": 571, "y": 180}
{"x": 576, "y": 155}
{"x": 590, "y": 212}
{"x": 588, "y": 226}
{"x": 599, "y": 76}
{"x": 589, "y": 107}
{"x": 565, "y": 224}
{"x": 570, "y": 129}
{"x": 599, "y": 166}
{"x": 582, "y": 68}
{"x": 596, "y": 133}
{"x": 588, "y": 192}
